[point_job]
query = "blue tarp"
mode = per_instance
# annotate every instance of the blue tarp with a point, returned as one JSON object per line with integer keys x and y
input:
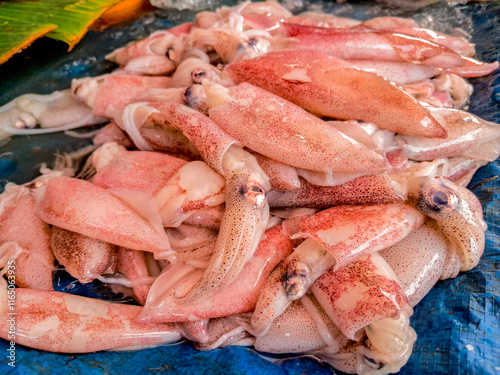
{"x": 458, "y": 322}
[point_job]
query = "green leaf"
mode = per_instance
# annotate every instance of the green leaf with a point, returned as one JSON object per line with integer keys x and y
{"x": 23, "y": 21}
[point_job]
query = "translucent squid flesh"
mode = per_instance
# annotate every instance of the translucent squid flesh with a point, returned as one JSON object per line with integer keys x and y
{"x": 458, "y": 214}
{"x": 243, "y": 223}
{"x": 238, "y": 297}
{"x": 466, "y": 133}
{"x": 363, "y": 44}
{"x": 67, "y": 323}
{"x": 365, "y": 297}
{"x": 82, "y": 207}
{"x": 83, "y": 257}
{"x": 299, "y": 330}
{"x": 247, "y": 212}
{"x": 194, "y": 186}
{"x": 255, "y": 117}
{"x": 25, "y": 238}
{"x": 109, "y": 94}
{"x": 132, "y": 263}
{"x": 328, "y": 87}
{"x": 418, "y": 261}
{"x": 144, "y": 170}
{"x": 334, "y": 238}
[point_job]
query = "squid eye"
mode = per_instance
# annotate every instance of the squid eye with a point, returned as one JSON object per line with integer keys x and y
{"x": 441, "y": 199}
{"x": 373, "y": 363}
{"x": 198, "y": 75}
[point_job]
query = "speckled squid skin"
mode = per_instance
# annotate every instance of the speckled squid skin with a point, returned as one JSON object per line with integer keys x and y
{"x": 457, "y": 212}
{"x": 211, "y": 141}
{"x": 327, "y": 87}
{"x": 362, "y": 44}
{"x": 349, "y": 232}
{"x": 294, "y": 331}
{"x": 82, "y": 207}
{"x": 65, "y": 323}
{"x": 132, "y": 264}
{"x": 282, "y": 131}
{"x": 143, "y": 170}
{"x": 370, "y": 189}
{"x": 466, "y": 132}
{"x": 83, "y": 257}
{"x": 418, "y": 261}
{"x": 236, "y": 298}
{"x": 20, "y": 225}
{"x": 359, "y": 294}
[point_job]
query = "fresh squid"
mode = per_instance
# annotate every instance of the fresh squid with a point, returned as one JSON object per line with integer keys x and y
{"x": 333, "y": 238}
{"x": 458, "y": 214}
{"x": 330, "y": 87}
{"x": 25, "y": 238}
{"x": 67, "y": 323}
{"x": 238, "y": 297}
{"x": 364, "y": 297}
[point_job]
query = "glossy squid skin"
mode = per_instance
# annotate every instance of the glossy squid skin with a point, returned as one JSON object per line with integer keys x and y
{"x": 371, "y": 189}
{"x": 458, "y": 214}
{"x": 255, "y": 117}
{"x": 336, "y": 237}
{"x": 243, "y": 223}
{"x": 418, "y": 261}
{"x": 21, "y": 228}
{"x": 373, "y": 44}
{"x": 144, "y": 170}
{"x": 330, "y": 87}
{"x": 349, "y": 232}
{"x": 83, "y": 257}
{"x": 238, "y": 297}
{"x": 365, "y": 297}
{"x": 85, "y": 208}
{"x": 67, "y": 323}
{"x": 211, "y": 141}
{"x": 466, "y": 133}
{"x": 132, "y": 263}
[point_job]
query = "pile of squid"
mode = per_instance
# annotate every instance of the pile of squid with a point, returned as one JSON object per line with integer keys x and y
{"x": 292, "y": 183}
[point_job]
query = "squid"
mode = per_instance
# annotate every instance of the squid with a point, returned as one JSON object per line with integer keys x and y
{"x": 82, "y": 207}
{"x": 364, "y": 298}
{"x": 163, "y": 304}
{"x": 132, "y": 264}
{"x": 362, "y": 44}
{"x": 246, "y": 209}
{"x": 142, "y": 170}
{"x": 327, "y": 86}
{"x": 83, "y": 257}
{"x": 54, "y": 112}
{"x": 25, "y": 238}
{"x": 299, "y": 139}
{"x": 108, "y": 94}
{"x": 458, "y": 214}
{"x": 333, "y": 238}
{"x": 65, "y": 323}
{"x": 418, "y": 261}
{"x": 467, "y": 135}
{"x": 150, "y": 55}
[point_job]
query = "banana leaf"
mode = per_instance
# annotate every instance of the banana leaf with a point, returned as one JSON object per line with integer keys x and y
{"x": 22, "y": 22}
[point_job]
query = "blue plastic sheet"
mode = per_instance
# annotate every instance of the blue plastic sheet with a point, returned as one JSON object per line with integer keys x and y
{"x": 458, "y": 322}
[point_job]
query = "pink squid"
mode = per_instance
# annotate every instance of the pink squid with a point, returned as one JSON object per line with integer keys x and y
{"x": 366, "y": 44}
{"x": 331, "y": 87}
{"x": 163, "y": 304}
{"x": 85, "y": 208}
{"x": 25, "y": 238}
{"x": 364, "y": 298}
{"x": 65, "y": 323}
{"x": 334, "y": 238}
